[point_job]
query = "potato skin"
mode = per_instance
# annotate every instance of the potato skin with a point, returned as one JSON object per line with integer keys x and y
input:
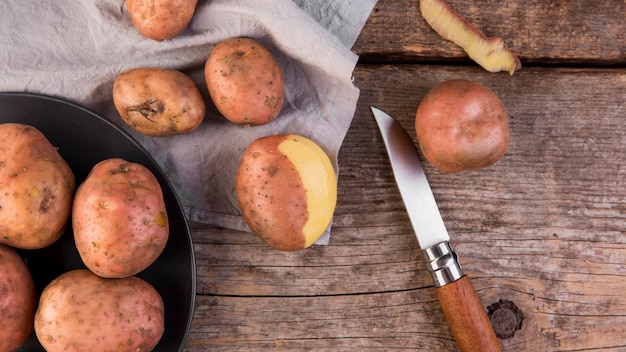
{"x": 461, "y": 125}
{"x": 80, "y": 311}
{"x": 18, "y": 300}
{"x": 245, "y": 81}
{"x": 158, "y": 102}
{"x": 36, "y": 188}
{"x": 119, "y": 219}
{"x": 161, "y": 19}
{"x": 271, "y": 196}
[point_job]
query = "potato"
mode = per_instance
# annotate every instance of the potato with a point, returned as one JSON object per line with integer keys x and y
{"x": 161, "y": 19}
{"x": 461, "y": 125}
{"x": 158, "y": 102}
{"x": 18, "y": 300}
{"x": 80, "y": 311}
{"x": 36, "y": 188}
{"x": 119, "y": 219}
{"x": 245, "y": 82}
{"x": 287, "y": 190}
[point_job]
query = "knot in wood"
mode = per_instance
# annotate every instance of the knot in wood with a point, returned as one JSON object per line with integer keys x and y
{"x": 505, "y": 317}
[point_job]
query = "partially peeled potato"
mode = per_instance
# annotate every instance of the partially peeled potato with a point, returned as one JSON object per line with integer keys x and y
{"x": 287, "y": 190}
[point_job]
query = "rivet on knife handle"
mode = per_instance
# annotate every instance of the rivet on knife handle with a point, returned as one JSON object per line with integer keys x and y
{"x": 442, "y": 263}
{"x": 461, "y": 306}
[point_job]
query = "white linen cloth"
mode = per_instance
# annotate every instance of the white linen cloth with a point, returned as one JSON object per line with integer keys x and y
{"x": 73, "y": 50}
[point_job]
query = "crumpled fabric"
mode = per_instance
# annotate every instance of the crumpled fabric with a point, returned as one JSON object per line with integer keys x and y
{"x": 73, "y": 50}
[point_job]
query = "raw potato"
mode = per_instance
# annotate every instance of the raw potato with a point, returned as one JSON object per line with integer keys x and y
{"x": 80, "y": 311}
{"x": 287, "y": 190}
{"x": 119, "y": 219}
{"x": 18, "y": 300}
{"x": 158, "y": 102}
{"x": 245, "y": 82}
{"x": 36, "y": 188}
{"x": 462, "y": 125}
{"x": 161, "y": 19}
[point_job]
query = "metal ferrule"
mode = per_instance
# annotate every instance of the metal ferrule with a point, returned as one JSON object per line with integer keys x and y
{"x": 442, "y": 263}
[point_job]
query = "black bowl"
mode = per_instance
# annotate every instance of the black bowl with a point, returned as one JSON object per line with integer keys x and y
{"x": 84, "y": 139}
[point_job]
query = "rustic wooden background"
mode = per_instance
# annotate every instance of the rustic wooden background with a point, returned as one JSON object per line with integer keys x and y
{"x": 544, "y": 227}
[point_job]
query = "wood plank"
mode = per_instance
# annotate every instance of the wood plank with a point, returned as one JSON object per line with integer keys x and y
{"x": 538, "y": 31}
{"x": 544, "y": 227}
{"x": 393, "y": 321}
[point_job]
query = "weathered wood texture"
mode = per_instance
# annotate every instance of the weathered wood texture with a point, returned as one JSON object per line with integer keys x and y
{"x": 538, "y": 31}
{"x": 544, "y": 228}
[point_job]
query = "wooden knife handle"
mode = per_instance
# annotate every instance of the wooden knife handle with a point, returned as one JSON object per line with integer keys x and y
{"x": 467, "y": 317}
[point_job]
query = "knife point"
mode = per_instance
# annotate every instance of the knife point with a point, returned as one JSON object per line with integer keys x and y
{"x": 412, "y": 183}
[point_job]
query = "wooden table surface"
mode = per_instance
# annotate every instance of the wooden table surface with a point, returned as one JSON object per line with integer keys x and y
{"x": 544, "y": 228}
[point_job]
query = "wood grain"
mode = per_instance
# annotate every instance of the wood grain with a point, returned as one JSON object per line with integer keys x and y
{"x": 544, "y": 227}
{"x": 540, "y": 32}
{"x": 467, "y": 317}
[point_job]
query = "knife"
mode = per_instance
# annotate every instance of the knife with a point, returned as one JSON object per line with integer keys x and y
{"x": 461, "y": 306}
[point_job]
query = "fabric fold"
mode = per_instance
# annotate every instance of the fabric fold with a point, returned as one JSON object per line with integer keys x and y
{"x": 74, "y": 51}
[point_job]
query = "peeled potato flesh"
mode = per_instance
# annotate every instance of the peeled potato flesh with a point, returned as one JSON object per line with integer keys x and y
{"x": 287, "y": 190}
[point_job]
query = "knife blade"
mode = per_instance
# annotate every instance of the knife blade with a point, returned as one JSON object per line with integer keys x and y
{"x": 464, "y": 312}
